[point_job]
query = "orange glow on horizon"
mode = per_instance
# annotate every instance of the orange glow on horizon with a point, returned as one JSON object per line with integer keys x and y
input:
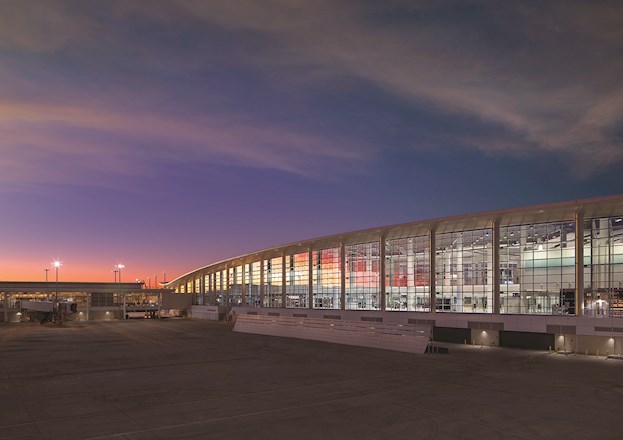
{"x": 13, "y": 270}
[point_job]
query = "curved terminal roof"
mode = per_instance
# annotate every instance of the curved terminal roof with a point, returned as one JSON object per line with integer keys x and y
{"x": 589, "y": 208}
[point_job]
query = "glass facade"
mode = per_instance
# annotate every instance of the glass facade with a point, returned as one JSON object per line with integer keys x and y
{"x": 326, "y": 278}
{"x": 234, "y": 287}
{"x": 273, "y": 276}
{"x": 537, "y": 268}
{"x": 464, "y": 272}
{"x": 297, "y": 280}
{"x": 535, "y": 264}
{"x": 253, "y": 280}
{"x": 209, "y": 298}
{"x": 199, "y": 297}
{"x": 362, "y": 276}
{"x": 220, "y": 288}
{"x": 407, "y": 274}
{"x": 603, "y": 266}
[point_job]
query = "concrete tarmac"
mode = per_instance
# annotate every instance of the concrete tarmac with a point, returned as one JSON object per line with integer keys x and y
{"x": 189, "y": 379}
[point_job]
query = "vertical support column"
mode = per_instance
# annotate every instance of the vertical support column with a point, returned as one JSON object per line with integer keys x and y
{"x": 6, "y": 307}
{"x": 284, "y": 271}
{"x": 208, "y": 287}
{"x": 243, "y": 280}
{"x": 124, "y": 307}
{"x": 342, "y": 275}
{"x": 382, "y": 269}
{"x": 262, "y": 294}
{"x": 207, "y": 280}
{"x": 311, "y": 280}
{"x": 203, "y": 288}
{"x": 579, "y": 262}
{"x": 432, "y": 270}
{"x": 213, "y": 301}
{"x": 228, "y": 301}
{"x": 159, "y": 303}
{"x": 495, "y": 247}
{"x": 88, "y": 305}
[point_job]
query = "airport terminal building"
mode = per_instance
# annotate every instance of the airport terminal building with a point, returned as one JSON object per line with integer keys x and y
{"x": 539, "y": 276}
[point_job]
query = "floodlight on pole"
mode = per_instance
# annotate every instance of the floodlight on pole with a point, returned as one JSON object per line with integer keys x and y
{"x": 56, "y": 264}
{"x": 119, "y": 267}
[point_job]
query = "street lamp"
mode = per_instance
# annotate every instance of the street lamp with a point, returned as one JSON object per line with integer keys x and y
{"x": 56, "y": 264}
{"x": 119, "y": 267}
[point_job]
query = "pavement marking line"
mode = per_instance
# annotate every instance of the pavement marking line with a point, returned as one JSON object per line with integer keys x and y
{"x": 195, "y": 402}
{"x": 17, "y": 436}
{"x": 250, "y": 414}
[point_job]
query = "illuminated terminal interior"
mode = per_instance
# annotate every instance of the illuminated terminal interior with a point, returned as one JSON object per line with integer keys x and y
{"x": 537, "y": 272}
{"x": 557, "y": 260}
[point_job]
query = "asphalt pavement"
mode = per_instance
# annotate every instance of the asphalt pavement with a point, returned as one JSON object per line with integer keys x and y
{"x": 189, "y": 379}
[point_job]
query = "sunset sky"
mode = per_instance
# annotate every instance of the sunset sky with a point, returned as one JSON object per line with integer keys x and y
{"x": 167, "y": 135}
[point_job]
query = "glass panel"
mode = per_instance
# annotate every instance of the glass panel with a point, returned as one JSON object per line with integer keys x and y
{"x": 297, "y": 280}
{"x": 220, "y": 287}
{"x": 235, "y": 285}
{"x": 326, "y": 278}
{"x": 253, "y": 284}
{"x": 362, "y": 276}
{"x": 463, "y": 272}
{"x": 603, "y": 262}
{"x": 537, "y": 268}
{"x": 407, "y": 278}
{"x": 273, "y": 274}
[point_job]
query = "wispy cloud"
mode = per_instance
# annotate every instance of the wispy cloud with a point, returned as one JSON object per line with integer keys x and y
{"x": 65, "y": 144}
{"x": 43, "y": 26}
{"x": 176, "y": 80}
{"x": 550, "y": 79}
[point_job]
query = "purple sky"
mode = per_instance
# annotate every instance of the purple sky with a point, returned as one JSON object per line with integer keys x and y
{"x": 170, "y": 134}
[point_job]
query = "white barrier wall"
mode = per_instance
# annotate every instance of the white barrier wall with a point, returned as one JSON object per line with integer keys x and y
{"x": 210, "y": 313}
{"x": 397, "y": 337}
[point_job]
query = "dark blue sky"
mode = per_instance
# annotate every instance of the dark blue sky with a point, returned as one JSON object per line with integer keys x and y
{"x": 170, "y": 134}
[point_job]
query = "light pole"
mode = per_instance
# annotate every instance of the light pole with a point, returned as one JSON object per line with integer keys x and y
{"x": 119, "y": 267}
{"x": 46, "y": 270}
{"x": 56, "y": 264}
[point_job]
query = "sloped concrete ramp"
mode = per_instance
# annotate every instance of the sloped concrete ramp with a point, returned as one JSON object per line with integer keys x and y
{"x": 406, "y": 338}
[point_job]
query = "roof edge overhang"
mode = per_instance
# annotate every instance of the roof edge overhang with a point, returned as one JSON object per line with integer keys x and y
{"x": 599, "y": 206}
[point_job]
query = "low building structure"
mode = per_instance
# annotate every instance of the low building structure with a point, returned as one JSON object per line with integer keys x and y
{"x": 93, "y": 301}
